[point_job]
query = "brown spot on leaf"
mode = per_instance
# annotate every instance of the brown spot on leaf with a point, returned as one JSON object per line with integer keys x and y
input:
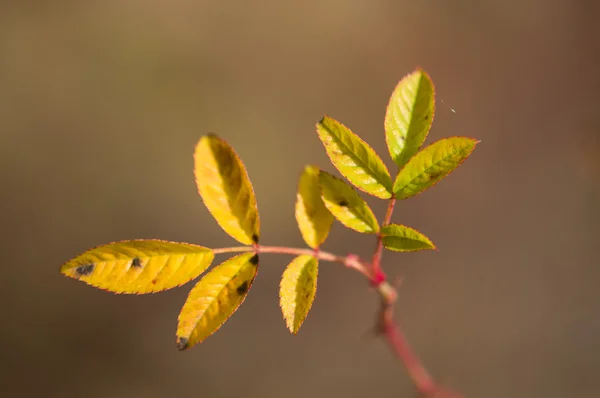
{"x": 154, "y": 281}
{"x": 255, "y": 238}
{"x": 243, "y": 288}
{"x": 182, "y": 343}
{"x": 83, "y": 270}
{"x": 136, "y": 263}
{"x": 434, "y": 175}
{"x": 254, "y": 260}
{"x": 343, "y": 203}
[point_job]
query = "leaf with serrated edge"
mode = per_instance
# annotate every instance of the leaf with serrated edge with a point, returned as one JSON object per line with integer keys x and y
{"x": 314, "y": 220}
{"x": 346, "y": 205}
{"x": 401, "y": 238}
{"x": 139, "y": 266}
{"x": 297, "y": 290}
{"x": 409, "y": 116}
{"x": 215, "y": 298}
{"x": 355, "y": 159}
{"x": 226, "y": 190}
{"x": 432, "y": 164}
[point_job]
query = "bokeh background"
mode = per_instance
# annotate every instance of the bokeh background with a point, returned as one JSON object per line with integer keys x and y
{"x": 102, "y": 101}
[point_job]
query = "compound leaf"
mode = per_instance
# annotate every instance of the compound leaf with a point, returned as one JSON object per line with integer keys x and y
{"x": 226, "y": 190}
{"x": 401, "y": 238}
{"x": 314, "y": 220}
{"x": 139, "y": 266}
{"x": 346, "y": 205}
{"x": 409, "y": 116}
{"x": 297, "y": 290}
{"x": 215, "y": 298}
{"x": 432, "y": 164}
{"x": 355, "y": 159}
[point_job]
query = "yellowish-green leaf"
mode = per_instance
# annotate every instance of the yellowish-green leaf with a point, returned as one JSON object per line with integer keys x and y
{"x": 297, "y": 290}
{"x": 355, "y": 159}
{"x": 346, "y": 205}
{"x": 215, "y": 298}
{"x": 226, "y": 190}
{"x": 139, "y": 266}
{"x": 409, "y": 116}
{"x": 401, "y": 238}
{"x": 312, "y": 216}
{"x": 432, "y": 164}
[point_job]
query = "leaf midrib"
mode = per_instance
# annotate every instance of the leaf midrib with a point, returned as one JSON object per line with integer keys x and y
{"x": 357, "y": 159}
{"x": 427, "y": 169}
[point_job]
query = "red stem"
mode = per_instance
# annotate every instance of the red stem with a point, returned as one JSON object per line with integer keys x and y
{"x": 419, "y": 375}
{"x": 376, "y": 261}
{"x": 393, "y": 333}
{"x": 351, "y": 261}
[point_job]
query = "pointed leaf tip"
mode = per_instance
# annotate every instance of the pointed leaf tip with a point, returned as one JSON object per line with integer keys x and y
{"x": 215, "y": 298}
{"x": 139, "y": 266}
{"x": 409, "y": 115}
{"x": 314, "y": 220}
{"x": 346, "y": 205}
{"x": 225, "y": 189}
{"x": 432, "y": 164}
{"x": 354, "y": 158}
{"x": 401, "y": 238}
{"x": 297, "y": 290}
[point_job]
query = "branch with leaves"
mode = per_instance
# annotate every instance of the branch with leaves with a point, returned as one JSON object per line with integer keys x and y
{"x": 149, "y": 266}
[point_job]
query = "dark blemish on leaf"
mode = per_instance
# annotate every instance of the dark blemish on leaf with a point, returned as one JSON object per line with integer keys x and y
{"x": 154, "y": 281}
{"x": 343, "y": 203}
{"x": 84, "y": 269}
{"x": 254, "y": 260}
{"x": 136, "y": 263}
{"x": 255, "y": 238}
{"x": 243, "y": 288}
{"x": 433, "y": 176}
{"x": 182, "y": 343}
{"x": 427, "y": 117}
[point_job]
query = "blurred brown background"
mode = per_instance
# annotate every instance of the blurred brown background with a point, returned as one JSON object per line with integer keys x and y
{"x": 102, "y": 102}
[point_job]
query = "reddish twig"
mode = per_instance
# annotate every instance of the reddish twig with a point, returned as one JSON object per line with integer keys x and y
{"x": 378, "y": 274}
{"x": 386, "y": 327}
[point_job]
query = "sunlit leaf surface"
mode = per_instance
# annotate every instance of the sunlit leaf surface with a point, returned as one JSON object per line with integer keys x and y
{"x": 139, "y": 266}
{"x": 215, "y": 298}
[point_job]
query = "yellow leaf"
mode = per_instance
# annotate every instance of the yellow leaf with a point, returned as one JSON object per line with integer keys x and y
{"x": 215, "y": 298}
{"x": 409, "y": 116}
{"x": 139, "y": 266}
{"x": 354, "y": 158}
{"x": 401, "y": 238}
{"x": 346, "y": 205}
{"x": 431, "y": 164}
{"x": 226, "y": 190}
{"x": 312, "y": 216}
{"x": 297, "y": 290}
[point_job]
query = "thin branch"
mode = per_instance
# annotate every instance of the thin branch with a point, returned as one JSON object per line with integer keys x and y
{"x": 350, "y": 261}
{"x": 376, "y": 261}
{"x": 388, "y": 294}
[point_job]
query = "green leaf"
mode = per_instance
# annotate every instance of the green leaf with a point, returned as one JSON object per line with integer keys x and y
{"x": 355, "y": 159}
{"x": 401, "y": 238}
{"x": 432, "y": 164}
{"x": 314, "y": 220}
{"x": 346, "y": 205}
{"x": 297, "y": 290}
{"x": 139, "y": 266}
{"x": 226, "y": 190}
{"x": 409, "y": 116}
{"x": 215, "y": 298}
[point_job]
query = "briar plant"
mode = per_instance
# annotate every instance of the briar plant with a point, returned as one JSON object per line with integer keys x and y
{"x": 149, "y": 266}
